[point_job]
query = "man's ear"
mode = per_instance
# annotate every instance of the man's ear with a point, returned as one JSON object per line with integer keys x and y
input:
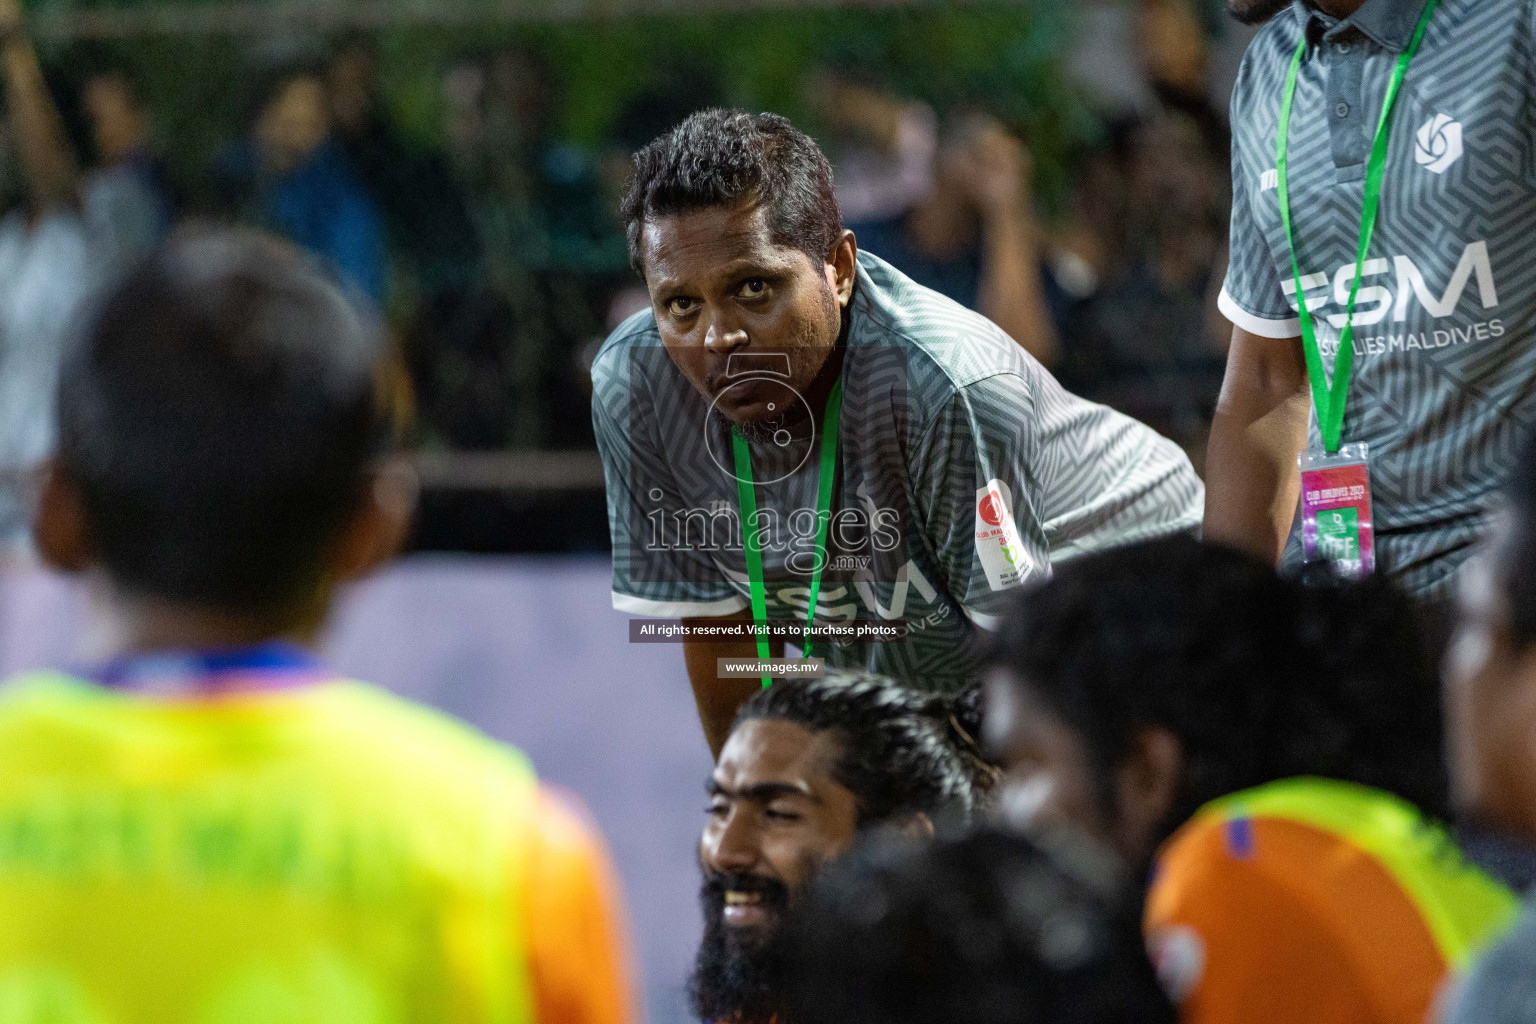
{"x": 1146, "y": 786}
{"x": 58, "y": 522}
{"x": 843, "y": 267}
{"x": 378, "y": 528}
{"x": 918, "y": 826}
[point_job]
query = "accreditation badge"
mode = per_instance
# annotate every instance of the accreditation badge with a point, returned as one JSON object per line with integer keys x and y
{"x": 1336, "y": 510}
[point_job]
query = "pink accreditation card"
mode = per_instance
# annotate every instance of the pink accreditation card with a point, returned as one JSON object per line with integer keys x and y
{"x": 1336, "y": 510}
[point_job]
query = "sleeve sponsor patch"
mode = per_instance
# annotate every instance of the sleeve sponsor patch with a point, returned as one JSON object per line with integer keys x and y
{"x": 1004, "y": 559}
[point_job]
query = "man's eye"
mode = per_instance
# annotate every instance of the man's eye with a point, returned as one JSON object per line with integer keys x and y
{"x": 756, "y": 288}
{"x": 680, "y": 306}
{"x": 775, "y": 815}
{"x": 716, "y": 810}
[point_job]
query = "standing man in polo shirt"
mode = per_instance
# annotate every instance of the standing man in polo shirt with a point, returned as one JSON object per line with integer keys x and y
{"x": 891, "y": 454}
{"x": 1441, "y": 384}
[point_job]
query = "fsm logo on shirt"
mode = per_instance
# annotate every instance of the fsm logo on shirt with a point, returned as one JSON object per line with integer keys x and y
{"x": 1376, "y": 301}
{"x": 1438, "y": 144}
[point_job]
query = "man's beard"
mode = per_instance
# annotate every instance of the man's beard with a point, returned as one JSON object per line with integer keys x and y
{"x": 738, "y": 974}
{"x": 1255, "y": 12}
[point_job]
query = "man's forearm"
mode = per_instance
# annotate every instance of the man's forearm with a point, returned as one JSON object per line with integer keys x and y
{"x": 36, "y": 127}
{"x": 719, "y": 699}
{"x": 1259, "y": 428}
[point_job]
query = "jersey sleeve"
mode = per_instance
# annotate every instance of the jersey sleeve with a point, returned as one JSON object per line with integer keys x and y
{"x": 653, "y": 573}
{"x": 975, "y": 494}
{"x": 1252, "y": 296}
{"x": 577, "y": 953}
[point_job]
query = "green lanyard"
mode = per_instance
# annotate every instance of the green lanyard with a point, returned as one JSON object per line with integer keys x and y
{"x": 746, "y": 493}
{"x": 1330, "y": 402}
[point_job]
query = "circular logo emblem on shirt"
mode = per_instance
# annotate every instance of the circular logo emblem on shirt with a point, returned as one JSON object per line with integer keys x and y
{"x": 991, "y": 510}
{"x": 1438, "y": 144}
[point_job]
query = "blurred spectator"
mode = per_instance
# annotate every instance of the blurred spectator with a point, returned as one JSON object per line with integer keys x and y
{"x": 883, "y": 148}
{"x": 971, "y": 234}
{"x": 986, "y": 929}
{"x": 426, "y": 216}
{"x": 47, "y": 263}
{"x": 1173, "y": 51}
{"x": 1268, "y": 755}
{"x": 1135, "y": 271}
{"x": 461, "y": 352}
{"x": 540, "y": 196}
{"x": 553, "y": 250}
{"x": 291, "y": 175}
{"x": 127, "y": 199}
{"x": 680, "y": 89}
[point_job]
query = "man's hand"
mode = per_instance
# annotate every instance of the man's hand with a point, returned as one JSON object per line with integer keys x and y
{"x": 718, "y": 699}
{"x": 1260, "y": 427}
{"x": 998, "y": 168}
{"x": 995, "y": 168}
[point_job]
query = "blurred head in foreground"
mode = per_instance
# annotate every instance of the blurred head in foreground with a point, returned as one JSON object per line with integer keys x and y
{"x": 732, "y": 222}
{"x": 223, "y": 447}
{"x": 1139, "y": 684}
{"x": 1491, "y": 669}
{"x": 809, "y": 766}
{"x": 987, "y": 929}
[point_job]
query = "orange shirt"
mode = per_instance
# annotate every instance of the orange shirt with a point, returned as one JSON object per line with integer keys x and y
{"x": 1269, "y": 921}
{"x": 576, "y": 947}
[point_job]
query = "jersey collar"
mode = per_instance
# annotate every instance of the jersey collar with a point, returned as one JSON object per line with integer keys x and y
{"x": 268, "y": 666}
{"x": 1390, "y": 23}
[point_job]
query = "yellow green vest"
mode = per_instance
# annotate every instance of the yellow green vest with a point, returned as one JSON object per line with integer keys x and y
{"x": 1463, "y": 907}
{"x": 326, "y": 855}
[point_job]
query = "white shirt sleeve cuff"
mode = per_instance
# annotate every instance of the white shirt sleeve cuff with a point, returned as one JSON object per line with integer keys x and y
{"x": 1261, "y": 326}
{"x": 632, "y": 605}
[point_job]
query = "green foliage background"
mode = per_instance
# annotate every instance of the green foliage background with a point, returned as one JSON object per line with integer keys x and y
{"x": 1000, "y": 56}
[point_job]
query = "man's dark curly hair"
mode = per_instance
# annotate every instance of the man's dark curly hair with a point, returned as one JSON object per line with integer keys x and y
{"x": 728, "y": 158}
{"x": 986, "y": 929}
{"x": 1260, "y": 678}
{"x": 904, "y": 752}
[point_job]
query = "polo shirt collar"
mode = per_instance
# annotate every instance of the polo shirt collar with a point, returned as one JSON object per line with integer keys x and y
{"x": 1390, "y": 23}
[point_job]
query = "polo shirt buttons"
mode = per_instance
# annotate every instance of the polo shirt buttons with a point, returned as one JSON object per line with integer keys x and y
{"x": 1341, "y": 109}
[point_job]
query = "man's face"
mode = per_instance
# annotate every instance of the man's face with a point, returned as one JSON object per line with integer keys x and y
{"x": 728, "y": 302}
{"x": 294, "y": 123}
{"x": 1491, "y": 699}
{"x": 775, "y": 816}
{"x": 1047, "y": 772}
{"x": 1255, "y": 12}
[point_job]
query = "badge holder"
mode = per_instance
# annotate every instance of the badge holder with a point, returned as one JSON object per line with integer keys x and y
{"x": 1336, "y": 510}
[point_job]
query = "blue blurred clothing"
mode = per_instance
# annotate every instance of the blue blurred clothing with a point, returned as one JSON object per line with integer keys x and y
{"x": 957, "y": 278}
{"x": 324, "y": 206}
{"x": 321, "y": 205}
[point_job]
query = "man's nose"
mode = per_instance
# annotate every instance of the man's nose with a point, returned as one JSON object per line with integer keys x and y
{"x": 724, "y": 337}
{"x": 732, "y": 846}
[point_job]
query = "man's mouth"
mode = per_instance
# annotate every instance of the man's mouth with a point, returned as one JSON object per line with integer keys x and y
{"x": 745, "y": 909}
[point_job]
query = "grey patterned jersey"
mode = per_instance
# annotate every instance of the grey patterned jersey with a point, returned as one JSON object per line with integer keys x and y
{"x": 1444, "y": 363}
{"x": 963, "y": 469}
